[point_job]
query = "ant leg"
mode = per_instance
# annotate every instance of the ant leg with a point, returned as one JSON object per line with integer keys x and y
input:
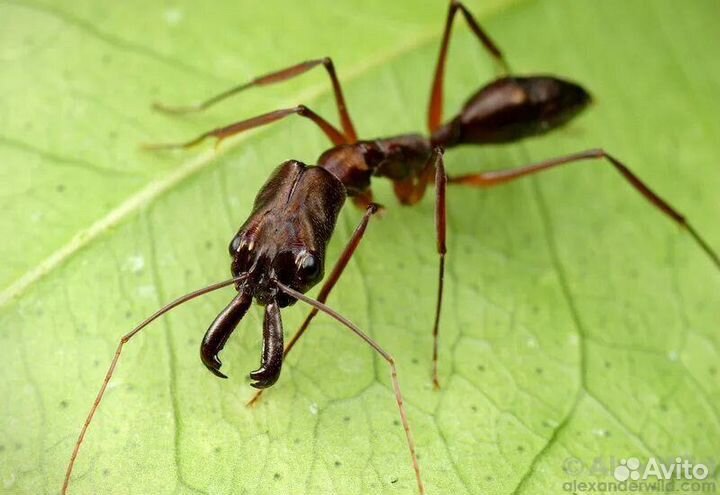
{"x": 435, "y": 109}
{"x": 387, "y": 357}
{"x": 441, "y": 233}
{"x": 411, "y": 190}
{"x": 329, "y": 283}
{"x": 124, "y": 340}
{"x": 363, "y": 200}
{"x": 497, "y": 177}
{"x": 221, "y": 133}
{"x": 276, "y": 77}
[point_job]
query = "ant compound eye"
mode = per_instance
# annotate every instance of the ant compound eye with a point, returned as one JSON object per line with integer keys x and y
{"x": 234, "y": 245}
{"x": 309, "y": 267}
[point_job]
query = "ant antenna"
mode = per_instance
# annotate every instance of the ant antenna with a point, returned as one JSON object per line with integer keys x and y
{"x": 177, "y": 302}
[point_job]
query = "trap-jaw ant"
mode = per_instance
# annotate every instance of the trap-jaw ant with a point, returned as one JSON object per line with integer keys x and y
{"x": 279, "y": 252}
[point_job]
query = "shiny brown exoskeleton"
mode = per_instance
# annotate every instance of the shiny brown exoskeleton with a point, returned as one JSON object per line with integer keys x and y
{"x": 279, "y": 252}
{"x": 284, "y": 240}
{"x": 294, "y": 215}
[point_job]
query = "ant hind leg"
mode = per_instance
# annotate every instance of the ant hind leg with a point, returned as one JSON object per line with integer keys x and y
{"x": 435, "y": 107}
{"x": 498, "y": 177}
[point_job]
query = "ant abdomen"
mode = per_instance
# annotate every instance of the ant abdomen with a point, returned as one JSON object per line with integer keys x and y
{"x": 512, "y": 108}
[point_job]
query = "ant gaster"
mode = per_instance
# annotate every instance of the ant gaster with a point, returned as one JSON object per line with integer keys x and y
{"x": 279, "y": 252}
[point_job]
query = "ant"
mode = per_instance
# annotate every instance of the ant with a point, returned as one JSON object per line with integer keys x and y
{"x": 279, "y": 252}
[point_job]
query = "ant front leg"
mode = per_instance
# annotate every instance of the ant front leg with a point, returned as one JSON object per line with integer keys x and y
{"x": 364, "y": 200}
{"x": 276, "y": 77}
{"x": 435, "y": 108}
{"x": 329, "y": 284}
{"x": 498, "y": 177}
{"x": 335, "y": 136}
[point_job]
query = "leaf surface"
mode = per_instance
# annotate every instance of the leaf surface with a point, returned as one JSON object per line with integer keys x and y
{"x": 579, "y": 322}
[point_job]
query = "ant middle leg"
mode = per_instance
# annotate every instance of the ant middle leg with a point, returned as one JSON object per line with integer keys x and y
{"x": 329, "y": 284}
{"x": 441, "y": 233}
{"x": 409, "y": 191}
{"x": 276, "y": 77}
{"x": 435, "y": 108}
{"x": 334, "y": 135}
{"x": 498, "y": 177}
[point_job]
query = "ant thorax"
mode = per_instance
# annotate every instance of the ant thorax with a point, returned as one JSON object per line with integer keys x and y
{"x": 396, "y": 158}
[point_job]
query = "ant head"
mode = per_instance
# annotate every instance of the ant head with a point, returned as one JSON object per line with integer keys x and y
{"x": 285, "y": 237}
{"x": 298, "y": 266}
{"x": 283, "y": 241}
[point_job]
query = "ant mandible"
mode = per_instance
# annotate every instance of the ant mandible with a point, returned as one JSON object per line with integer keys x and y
{"x": 279, "y": 252}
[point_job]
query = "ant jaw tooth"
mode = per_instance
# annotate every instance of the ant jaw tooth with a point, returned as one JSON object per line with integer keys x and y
{"x": 263, "y": 377}
{"x": 218, "y": 373}
{"x": 260, "y": 384}
{"x": 213, "y": 364}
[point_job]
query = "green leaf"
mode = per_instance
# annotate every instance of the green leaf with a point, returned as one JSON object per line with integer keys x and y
{"x": 579, "y": 323}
